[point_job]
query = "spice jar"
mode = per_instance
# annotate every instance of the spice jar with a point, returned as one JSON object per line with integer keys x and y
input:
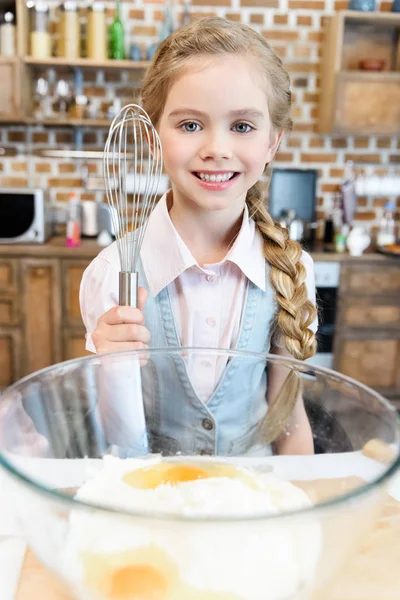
{"x": 39, "y": 37}
{"x": 97, "y": 32}
{"x": 69, "y": 42}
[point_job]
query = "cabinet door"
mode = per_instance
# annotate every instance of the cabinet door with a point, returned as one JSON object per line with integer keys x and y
{"x": 74, "y": 344}
{"x": 371, "y": 358}
{"x": 370, "y": 311}
{"x": 72, "y": 275}
{"x": 42, "y": 313}
{"x": 372, "y": 280}
{"x": 10, "y": 101}
{"x": 10, "y": 356}
{"x": 367, "y": 103}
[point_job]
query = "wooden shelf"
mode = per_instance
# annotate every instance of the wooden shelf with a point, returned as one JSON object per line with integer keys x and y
{"x": 371, "y": 75}
{"x": 65, "y": 122}
{"x": 372, "y": 16}
{"x": 85, "y": 63}
{"x": 8, "y": 60}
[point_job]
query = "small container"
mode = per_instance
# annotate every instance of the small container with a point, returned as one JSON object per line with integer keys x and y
{"x": 362, "y": 5}
{"x": 69, "y": 41}
{"x": 97, "y": 32}
{"x": 74, "y": 221}
{"x": 7, "y": 35}
{"x": 39, "y": 37}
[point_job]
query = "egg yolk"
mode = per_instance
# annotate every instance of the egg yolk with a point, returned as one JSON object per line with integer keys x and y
{"x": 136, "y": 582}
{"x": 148, "y": 478}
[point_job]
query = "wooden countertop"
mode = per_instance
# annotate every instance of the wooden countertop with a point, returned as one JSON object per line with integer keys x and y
{"x": 56, "y": 248}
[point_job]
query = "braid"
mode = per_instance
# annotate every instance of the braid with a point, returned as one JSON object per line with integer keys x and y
{"x": 297, "y": 312}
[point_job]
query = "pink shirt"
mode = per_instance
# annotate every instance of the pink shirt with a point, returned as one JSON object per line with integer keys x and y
{"x": 207, "y": 301}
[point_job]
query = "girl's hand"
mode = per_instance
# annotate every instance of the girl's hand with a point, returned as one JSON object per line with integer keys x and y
{"x": 122, "y": 328}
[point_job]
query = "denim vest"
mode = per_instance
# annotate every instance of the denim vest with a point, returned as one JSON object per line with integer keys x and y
{"x": 229, "y": 424}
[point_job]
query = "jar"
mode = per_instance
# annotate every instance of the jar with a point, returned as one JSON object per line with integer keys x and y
{"x": 69, "y": 41}
{"x": 97, "y": 32}
{"x": 39, "y": 37}
{"x": 7, "y": 35}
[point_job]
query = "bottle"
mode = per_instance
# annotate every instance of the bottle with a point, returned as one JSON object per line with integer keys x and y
{"x": 97, "y": 32}
{"x": 117, "y": 44}
{"x": 73, "y": 221}
{"x": 69, "y": 41}
{"x": 7, "y": 35}
{"x": 40, "y": 38}
{"x": 387, "y": 226}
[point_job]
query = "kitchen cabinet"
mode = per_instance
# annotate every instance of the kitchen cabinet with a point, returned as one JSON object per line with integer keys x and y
{"x": 355, "y": 100}
{"x": 10, "y": 97}
{"x": 367, "y": 343}
{"x": 40, "y": 320}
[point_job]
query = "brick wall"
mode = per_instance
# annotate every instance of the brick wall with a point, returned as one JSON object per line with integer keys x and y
{"x": 295, "y": 29}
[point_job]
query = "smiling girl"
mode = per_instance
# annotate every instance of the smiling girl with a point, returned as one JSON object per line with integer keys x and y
{"x": 215, "y": 270}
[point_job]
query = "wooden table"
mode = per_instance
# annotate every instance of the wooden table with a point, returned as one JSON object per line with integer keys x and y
{"x": 373, "y": 574}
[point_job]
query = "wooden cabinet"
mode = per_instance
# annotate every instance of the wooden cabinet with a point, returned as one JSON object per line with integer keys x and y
{"x": 40, "y": 321}
{"x": 354, "y": 100}
{"x": 367, "y": 343}
{"x": 10, "y": 97}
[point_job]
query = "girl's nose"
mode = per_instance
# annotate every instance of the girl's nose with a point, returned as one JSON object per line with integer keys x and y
{"x": 217, "y": 146}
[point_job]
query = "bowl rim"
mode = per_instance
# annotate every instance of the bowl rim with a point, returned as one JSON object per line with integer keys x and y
{"x": 60, "y": 497}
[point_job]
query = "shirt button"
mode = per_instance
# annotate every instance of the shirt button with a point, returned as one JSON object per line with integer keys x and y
{"x": 205, "y": 363}
{"x": 208, "y": 425}
{"x": 210, "y": 278}
{"x": 211, "y": 322}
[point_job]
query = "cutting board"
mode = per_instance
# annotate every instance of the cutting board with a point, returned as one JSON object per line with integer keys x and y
{"x": 372, "y": 574}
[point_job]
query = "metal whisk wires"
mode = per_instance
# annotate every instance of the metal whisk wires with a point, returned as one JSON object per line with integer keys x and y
{"x": 132, "y": 151}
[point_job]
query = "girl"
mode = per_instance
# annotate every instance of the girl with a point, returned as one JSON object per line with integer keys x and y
{"x": 215, "y": 270}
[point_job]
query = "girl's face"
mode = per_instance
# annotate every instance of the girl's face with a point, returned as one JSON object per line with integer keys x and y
{"x": 216, "y": 133}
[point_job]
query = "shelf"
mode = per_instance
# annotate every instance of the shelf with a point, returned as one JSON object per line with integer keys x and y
{"x": 69, "y": 122}
{"x": 370, "y": 75}
{"x": 8, "y": 60}
{"x": 85, "y": 63}
{"x": 375, "y": 17}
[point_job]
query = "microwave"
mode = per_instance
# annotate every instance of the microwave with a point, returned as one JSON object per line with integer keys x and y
{"x": 25, "y": 216}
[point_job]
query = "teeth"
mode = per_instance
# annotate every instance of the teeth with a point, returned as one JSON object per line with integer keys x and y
{"x": 215, "y": 178}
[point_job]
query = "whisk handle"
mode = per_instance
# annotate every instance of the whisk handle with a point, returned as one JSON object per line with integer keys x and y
{"x": 128, "y": 289}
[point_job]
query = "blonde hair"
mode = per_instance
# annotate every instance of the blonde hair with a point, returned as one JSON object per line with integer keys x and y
{"x": 216, "y": 36}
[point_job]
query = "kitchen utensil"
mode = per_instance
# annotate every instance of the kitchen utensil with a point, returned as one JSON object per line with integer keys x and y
{"x": 52, "y": 440}
{"x": 131, "y": 127}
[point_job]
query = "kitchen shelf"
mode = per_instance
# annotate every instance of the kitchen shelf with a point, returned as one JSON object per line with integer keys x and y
{"x": 381, "y": 76}
{"x": 69, "y": 122}
{"x": 85, "y": 63}
{"x": 8, "y": 60}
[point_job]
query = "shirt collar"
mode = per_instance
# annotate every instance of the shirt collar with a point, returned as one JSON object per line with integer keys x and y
{"x": 165, "y": 255}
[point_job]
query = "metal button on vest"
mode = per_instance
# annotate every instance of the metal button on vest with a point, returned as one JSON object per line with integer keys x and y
{"x": 205, "y": 453}
{"x": 207, "y": 424}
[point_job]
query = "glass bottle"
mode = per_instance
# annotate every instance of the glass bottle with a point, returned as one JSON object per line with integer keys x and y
{"x": 97, "y": 32}
{"x": 387, "y": 227}
{"x": 69, "y": 40}
{"x": 40, "y": 109}
{"x": 40, "y": 38}
{"x": 7, "y": 35}
{"x": 117, "y": 43}
{"x": 62, "y": 100}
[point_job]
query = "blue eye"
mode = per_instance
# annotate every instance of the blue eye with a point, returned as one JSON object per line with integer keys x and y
{"x": 190, "y": 126}
{"x": 243, "y": 128}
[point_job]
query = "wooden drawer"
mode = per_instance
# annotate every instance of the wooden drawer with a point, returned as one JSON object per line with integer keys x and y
{"x": 370, "y": 312}
{"x": 9, "y": 275}
{"x": 371, "y": 359}
{"x": 370, "y": 279}
{"x": 9, "y": 309}
{"x": 72, "y": 276}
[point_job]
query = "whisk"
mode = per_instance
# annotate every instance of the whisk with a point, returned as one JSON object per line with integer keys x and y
{"x": 132, "y": 149}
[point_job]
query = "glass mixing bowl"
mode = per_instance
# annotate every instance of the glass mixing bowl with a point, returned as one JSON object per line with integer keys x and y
{"x": 129, "y": 486}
